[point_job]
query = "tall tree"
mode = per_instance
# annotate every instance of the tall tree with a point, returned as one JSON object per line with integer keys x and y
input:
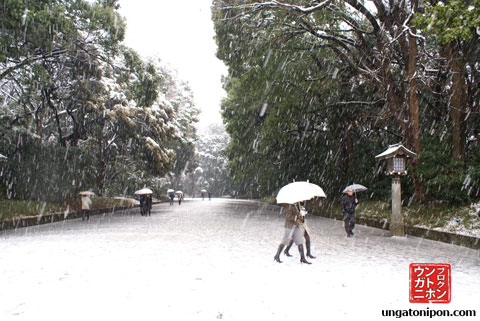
{"x": 455, "y": 27}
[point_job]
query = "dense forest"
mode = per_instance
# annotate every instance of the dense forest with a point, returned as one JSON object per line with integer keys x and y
{"x": 316, "y": 89}
{"x": 207, "y": 169}
{"x": 79, "y": 109}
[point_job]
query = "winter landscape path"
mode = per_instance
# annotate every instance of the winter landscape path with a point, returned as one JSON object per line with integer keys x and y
{"x": 211, "y": 260}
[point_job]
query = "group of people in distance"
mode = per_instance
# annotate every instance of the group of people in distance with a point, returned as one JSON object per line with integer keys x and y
{"x": 297, "y": 231}
{"x": 172, "y": 197}
{"x": 146, "y": 204}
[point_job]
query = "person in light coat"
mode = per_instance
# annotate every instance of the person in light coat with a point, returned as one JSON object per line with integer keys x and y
{"x": 294, "y": 230}
{"x": 86, "y": 203}
{"x": 307, "y": 243}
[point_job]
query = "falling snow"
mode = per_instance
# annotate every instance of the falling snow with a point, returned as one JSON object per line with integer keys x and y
{"x": 206, "y": 259}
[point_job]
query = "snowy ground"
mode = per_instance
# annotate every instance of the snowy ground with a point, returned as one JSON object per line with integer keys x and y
{"x": 211, "y": 260}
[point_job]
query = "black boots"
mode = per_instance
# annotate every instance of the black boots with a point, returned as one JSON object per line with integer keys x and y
{"x": 302, "y": 255}
{"x": 309, "y": 253}
{"x": 279, "y": 251}
{"x": 288, "y": 249}
{"x": 300, "y": 249}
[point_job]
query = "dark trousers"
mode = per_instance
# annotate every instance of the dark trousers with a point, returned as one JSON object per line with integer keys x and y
{"x": 349, "y": 220}
{"x": 85, "y": 215}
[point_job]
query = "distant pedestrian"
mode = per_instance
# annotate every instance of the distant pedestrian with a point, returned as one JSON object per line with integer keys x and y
{"x": 294, "y": 230}
{"x": 86, "y": 203}
{"x": 180, "y": 197}
{"x": 349, "y": 202}
{"x": 148, "y": 204}
{"x": 172, "y": 196}
{"x": 143, "y": 201}
{"x": 209, "y": 196}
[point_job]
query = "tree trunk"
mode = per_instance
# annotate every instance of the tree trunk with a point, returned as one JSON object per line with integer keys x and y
{"x": 458, "y": 102}
{"x": 101, "y": 167}
{"x": 413, "y": 129}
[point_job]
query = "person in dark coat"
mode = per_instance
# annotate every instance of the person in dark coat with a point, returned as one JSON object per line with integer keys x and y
{"x": 180, "y": 198}
{"x": 172, "y": 196}
{"x": 148, "y": 205}
{"x": 349, "y": 202}
{"x": 142, "y": 204}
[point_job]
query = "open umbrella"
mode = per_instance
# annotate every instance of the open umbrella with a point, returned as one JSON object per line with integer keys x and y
{"x": 144, "y": 191}
{"x": 86, "y": 193}
{"x": 299, "y": 191}
{"x": 179, "y": 192}
{"x": 355, "y": 188}
{"x": 170, "y": 191}
{"x": 203, "y": 191}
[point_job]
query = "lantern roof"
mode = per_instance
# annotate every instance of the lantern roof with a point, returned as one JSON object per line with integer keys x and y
{"x": 3, "y": 158}
{"x": 396, "y": 150}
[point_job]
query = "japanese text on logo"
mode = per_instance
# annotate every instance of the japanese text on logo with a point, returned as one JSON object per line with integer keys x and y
{"x": 430, "y": 283}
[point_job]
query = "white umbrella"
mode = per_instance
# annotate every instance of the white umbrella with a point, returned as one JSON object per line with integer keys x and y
{"x": 179, "y": 192}
{"x": 203, "y": 191}
{"x": 299, "y": 191}
{"x": 144, "y": 191}
{"x": 87, "y": 193}
{"x": 355, "y": 188}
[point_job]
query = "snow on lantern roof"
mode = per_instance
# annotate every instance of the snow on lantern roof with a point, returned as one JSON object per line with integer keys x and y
{"x": 394, "y": 150}
{"x": 3, "y": 158}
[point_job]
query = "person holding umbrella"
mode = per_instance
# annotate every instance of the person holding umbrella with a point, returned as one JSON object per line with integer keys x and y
{"x": 145, "y": 202}
{"x": 148, "y": 205}
{"x": 306, "y": 235}
{"x": 86, "y": 203}
{"x": 349, "y": 202}
{"x": 180, "y": 197}
{"x": 171, "y": 195}
{"x": 294, "y": 230}
{"x": 291, "y": 195}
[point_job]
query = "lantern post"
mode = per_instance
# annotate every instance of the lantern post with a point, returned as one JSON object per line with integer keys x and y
{"x": 396, "y": 157}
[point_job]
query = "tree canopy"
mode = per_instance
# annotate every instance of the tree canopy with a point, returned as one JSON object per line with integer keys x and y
{"x": 80, "y": 110}
{"x": 317, "y": 89}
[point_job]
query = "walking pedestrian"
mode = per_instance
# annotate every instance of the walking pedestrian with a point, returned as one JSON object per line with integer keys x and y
{"x": 86, "y": 202}
{"x": 180, "y": 197}
{"x": 172, "y": 196}
{"x": 143, "y": 200}
{"x": 148, "y": 205}
{"x": 294, "y": 230}
{"x": 306, "y": 235}
{"x": 349, "y": 202}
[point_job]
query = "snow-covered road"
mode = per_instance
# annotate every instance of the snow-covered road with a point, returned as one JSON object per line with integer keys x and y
{"x": 211, "y": 260}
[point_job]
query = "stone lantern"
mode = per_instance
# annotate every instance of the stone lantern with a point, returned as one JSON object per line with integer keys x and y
{"x": 396, "y": 157}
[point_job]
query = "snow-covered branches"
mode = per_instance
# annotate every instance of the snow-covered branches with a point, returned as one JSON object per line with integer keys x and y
{"x": 278, "y": 4}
